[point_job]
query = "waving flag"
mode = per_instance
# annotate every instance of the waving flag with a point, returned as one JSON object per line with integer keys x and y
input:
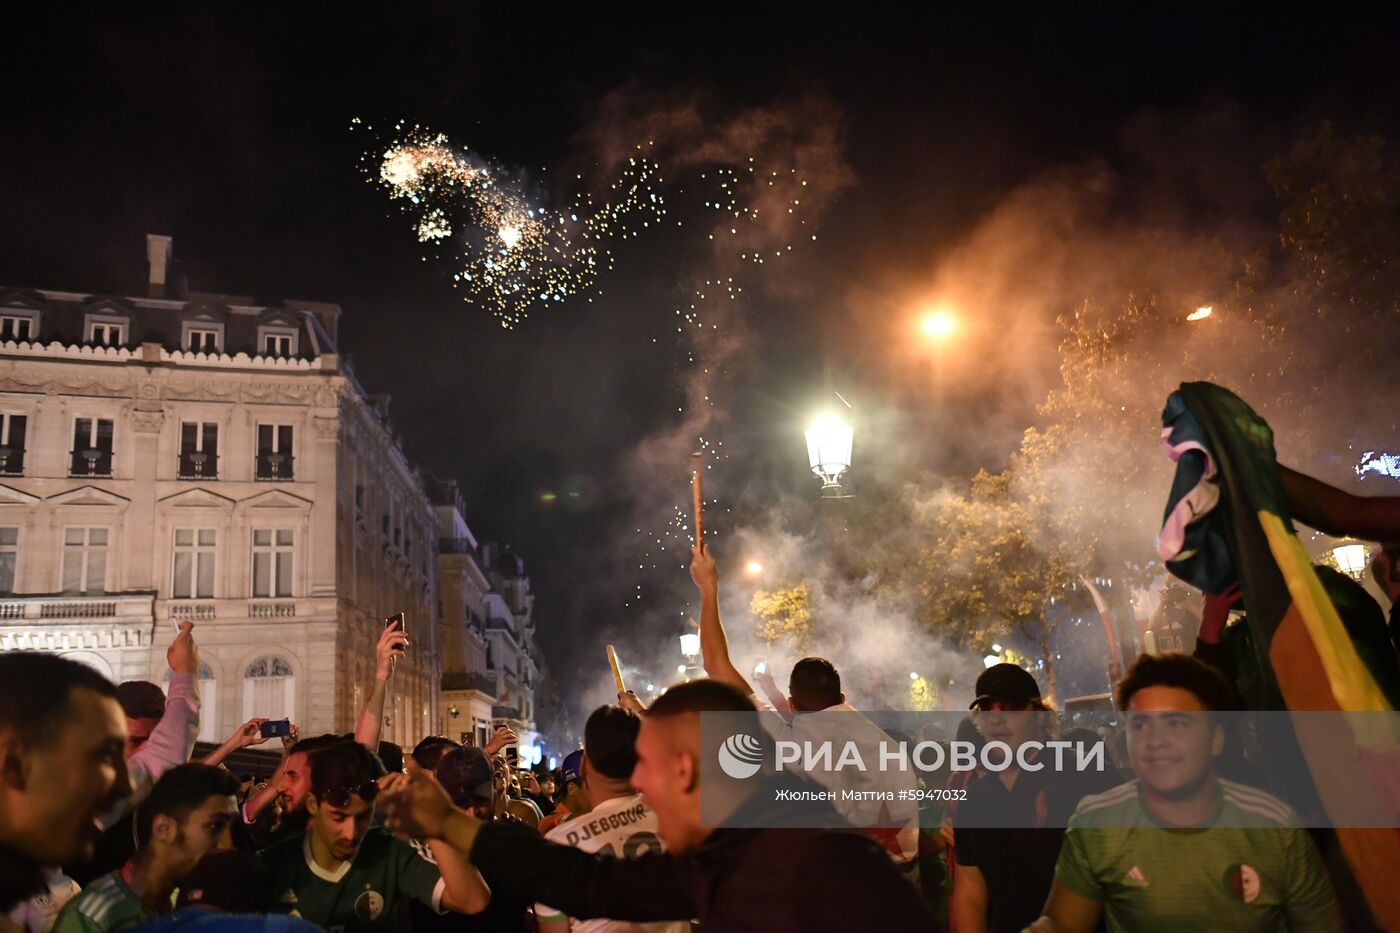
{"x": 1227, "y": 520}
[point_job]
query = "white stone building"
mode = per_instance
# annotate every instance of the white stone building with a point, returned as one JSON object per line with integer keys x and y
{"x": 206, "y": 457}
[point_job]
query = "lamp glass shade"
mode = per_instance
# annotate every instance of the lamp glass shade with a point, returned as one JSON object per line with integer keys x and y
{"x": 690, "y": 645}
{"x": 829, "y": 442}
{"x": 1351, "y": 559}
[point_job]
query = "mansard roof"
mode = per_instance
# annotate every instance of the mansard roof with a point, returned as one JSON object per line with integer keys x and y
{"x": 21, "y": 298}
{"x": 157, "y": 320}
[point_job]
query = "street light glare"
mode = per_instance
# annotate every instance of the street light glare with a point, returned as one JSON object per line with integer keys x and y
{"x": 940, "y": 324}
{"x": 754, "y": 568}
{"x": 1201, "y": 313}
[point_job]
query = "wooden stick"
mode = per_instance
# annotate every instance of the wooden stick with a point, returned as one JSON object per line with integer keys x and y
{"x": 697, "y": 489}
{"x": 616, "y": 669}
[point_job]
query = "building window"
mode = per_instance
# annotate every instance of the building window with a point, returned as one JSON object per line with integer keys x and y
{"x": 84, "y": 561}
{"x": 272, "y": 562}
{"x": 9, "y": 554}
{"x": 193, "y": 573}
{"x": 106, "y": 333}
{"x": 274, "y": 451}
{"x": 19, "y": 328}
{"x": 12, "y": 444}
{"x": 269, "y": 689}
{"x": 199, "y": 450}
{"x": 278, "y": 344}
{"x": 200, "y": 340}
{"x": 92, "y": 447}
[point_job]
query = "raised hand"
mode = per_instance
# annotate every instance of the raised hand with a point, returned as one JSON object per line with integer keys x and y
{"x": 183, "y": 654}
{"x": 250, "y": 733}
{"x": 502, "y": 737}
{"x": 392, "y": 644}
{"x": 703, "y": 571}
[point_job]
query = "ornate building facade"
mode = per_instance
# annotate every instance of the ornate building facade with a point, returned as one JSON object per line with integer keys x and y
{"x": 204, "y": 457}
{"x": 490, "y": 664}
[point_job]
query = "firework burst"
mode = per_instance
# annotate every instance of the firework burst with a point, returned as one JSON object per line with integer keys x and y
{"x": 516, "y": 247}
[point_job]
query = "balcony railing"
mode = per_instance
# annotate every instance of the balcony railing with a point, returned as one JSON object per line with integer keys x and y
{"x": 196, "y": 464}
{"x": 273, "y": 466}
{"x": 272, "y": 610}
{"x": 77, "y": 610}
{"x": 12, "y": 461}
{"x": 93, "y": 461}
{"x": 473, "y": 680}
{"x": 194, "y": 612}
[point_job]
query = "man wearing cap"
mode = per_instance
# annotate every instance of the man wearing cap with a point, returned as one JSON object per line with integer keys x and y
{"x": 1007, "y": 832}
{"x": 619, "y": 825}
{"x": 469, "y": 778}
{"x": 575, "y": 800}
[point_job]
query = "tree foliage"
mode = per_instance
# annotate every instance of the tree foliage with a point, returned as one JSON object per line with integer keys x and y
{"x": 784, "y": 616}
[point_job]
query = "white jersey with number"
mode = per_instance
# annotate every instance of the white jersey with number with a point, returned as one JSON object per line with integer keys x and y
{"x": 622, "y": 828}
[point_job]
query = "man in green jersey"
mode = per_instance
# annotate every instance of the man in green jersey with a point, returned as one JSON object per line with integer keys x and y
{"x": 347, "y": 876}
{"x": 1179, "y": 848}
{"x": 187, "y": 815}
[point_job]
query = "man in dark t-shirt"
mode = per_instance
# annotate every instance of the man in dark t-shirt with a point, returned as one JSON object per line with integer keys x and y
{"x": 1008, "y": 831}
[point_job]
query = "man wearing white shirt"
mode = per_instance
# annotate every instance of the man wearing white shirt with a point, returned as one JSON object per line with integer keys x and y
{"x": 817, "y": 711}
{"x": 619, "y": 824}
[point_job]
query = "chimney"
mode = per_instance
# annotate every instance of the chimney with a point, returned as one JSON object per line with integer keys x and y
{"x": 158, "y": 253}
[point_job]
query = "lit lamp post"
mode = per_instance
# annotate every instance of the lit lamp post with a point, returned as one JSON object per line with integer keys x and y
{"x": 690, "y": 650}
{"x": 1351, "y": 560}
{"x": 829, "y": 442}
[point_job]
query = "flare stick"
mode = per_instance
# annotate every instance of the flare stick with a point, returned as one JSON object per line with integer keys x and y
{"x": 616, "y": 669}
{"x": 699, "y": 499}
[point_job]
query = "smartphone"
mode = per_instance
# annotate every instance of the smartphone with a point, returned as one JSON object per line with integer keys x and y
{"x": 275, "y": 728}
{"x": 512, "y": 756}
{"x": 396, "y": 621}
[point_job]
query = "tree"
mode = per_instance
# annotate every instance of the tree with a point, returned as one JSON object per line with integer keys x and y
{"x": 993, "y": 566}
{"x": 784, "y": 615}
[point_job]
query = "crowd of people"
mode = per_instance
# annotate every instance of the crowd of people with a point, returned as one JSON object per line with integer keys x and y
{"x": 106, "y": 824}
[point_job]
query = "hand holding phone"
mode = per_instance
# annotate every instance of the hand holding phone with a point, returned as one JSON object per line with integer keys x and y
{"x": 275, "y": 728}
{"x": 396, "y": 623}
{"x": 513, "y": 756}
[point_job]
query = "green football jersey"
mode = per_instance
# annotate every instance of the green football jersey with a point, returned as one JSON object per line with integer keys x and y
{"x": 1252, "y": 869}
{"x": 104, "y": 906}
{"x": 362, "y": 895}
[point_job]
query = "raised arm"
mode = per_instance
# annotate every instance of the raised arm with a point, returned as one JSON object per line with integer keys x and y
{"x": 1339, "y": 513}
{"x": 250, "y": 733}
{"x": 714, "y": 645}
{"x": 391, "y": 646}
{"x": 172, "y": 740}
{"x": 263, "y": 797}
{"x": 524, "y": 866}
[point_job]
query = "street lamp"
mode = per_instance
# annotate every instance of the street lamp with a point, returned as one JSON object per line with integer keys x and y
{"x": 829, "y": 442}
{"x": 690, "y": 646}
{"x": 939, "y": 325}
{"x": 1351, "y": 560}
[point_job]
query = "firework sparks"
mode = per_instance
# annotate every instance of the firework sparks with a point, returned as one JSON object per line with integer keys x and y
{"x": 517, "y": 248}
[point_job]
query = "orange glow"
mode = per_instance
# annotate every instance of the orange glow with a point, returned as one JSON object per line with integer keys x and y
{"x": 940, "y": 324}
{"x": 1200, "y": 314}
{"x": 754, "y": 568}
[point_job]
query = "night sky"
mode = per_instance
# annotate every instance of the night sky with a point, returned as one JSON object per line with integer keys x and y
{"x": 230, "y": 131}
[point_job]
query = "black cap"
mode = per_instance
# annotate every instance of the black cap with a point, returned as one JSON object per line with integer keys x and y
{"x": 467, "y": 776}
{"x": 1008, "y": 683}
